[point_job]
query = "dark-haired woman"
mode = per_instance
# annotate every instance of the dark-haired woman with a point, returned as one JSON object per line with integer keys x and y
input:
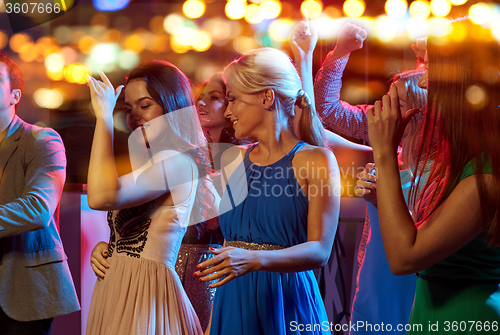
{"x": 453, "y": 243}
{"x": 151, "y": 207}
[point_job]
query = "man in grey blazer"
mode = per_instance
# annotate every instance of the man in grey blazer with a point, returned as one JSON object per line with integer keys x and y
{"x": 35, "y": 281}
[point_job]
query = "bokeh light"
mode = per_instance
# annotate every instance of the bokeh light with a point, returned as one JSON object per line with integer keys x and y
{"x": 203, "y": 42}
{"x": 476, "y": 96}
{"x": 103, "y": 57}
{"x": 420, "y": 9}
{"x": 313, "y": 7}
{"x": 235, "y": 9}
{"x": 332, "y": 12}
{"x": 479, "y": 13}
{"x": 354, "y": 8}
{"x": 99, "y": 19}
{"x": 416, "y": 28}
{"x": 193, "y": 9}
{"x": 172, "y": 22}
{"x": 439, "y": 28}
{"x": 134, "y": 43}
{"x": 396, "y": 8}
{"x": 76, "y": 73}
{"x": 47, "y": 98}
{"x": 86, "y": 44}
{"x": 270, "y": 9}
{"x": 27, "y": 52}
{"x": 62, "y": 34}
{"x": 69, "y": 54}
{"x": 158, "y": 43}
{"x": 242, "y": 44}
{"x": 253, "y": 14}
{"x": 327, "y": 27}
{"x": 114, "y": 36}
{"x": 47, "y": 45}
{"x": 218, "y": 28}
{"x": 457, "y": 2}
{"x": 385, "y": 28}
{"x": 128, "y": 59}
{"x": 279, "y": 30}
{"x": 110, "y": 5}
{"x": 54, "y": 62}
{"x": 18, "y": 40}
{"x": 440, "y": 7}
{"x": 177, "y": 46}
{"x": 3, "y": 39}
{"x": 459, "y": 32}
{"x": 156, "y": 24}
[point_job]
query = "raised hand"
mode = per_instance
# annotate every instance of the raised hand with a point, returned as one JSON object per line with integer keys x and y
{"x": 386, "y": 125}
{"x": 366, "y": 186}
{"x": 351, "y": 38}
{"x": 303, "y": 39}
{"x": 98, "y": 259}
{"x": 229, "y": 263}
{"x": 419, "y": 49}
{"x": 103, "y": 96}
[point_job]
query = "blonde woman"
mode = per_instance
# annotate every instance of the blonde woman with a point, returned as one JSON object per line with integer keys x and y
{"x": 280, "y": 223}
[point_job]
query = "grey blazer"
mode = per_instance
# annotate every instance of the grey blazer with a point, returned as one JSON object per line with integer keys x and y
{"x": 35, "y": 281}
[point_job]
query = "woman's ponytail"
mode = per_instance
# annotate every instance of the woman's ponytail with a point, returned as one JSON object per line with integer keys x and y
{"x": 311, "y": 129}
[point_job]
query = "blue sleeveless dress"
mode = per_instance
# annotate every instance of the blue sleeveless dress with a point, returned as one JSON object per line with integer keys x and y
{"x": 273, "y": 212}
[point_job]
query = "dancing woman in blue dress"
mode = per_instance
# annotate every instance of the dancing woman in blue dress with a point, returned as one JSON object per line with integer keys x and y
{"x": 280, "y": 208}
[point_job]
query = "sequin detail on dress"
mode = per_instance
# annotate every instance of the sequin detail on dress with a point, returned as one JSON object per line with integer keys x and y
{"x": 132, "y": 225}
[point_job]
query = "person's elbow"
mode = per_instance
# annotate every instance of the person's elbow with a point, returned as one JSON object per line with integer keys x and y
{"x": 401, "y": 267}
{"x": 98, "y": 202}
{"x": 321, "y": 256}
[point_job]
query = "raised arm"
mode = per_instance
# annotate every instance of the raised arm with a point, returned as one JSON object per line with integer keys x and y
{"x": 323, "y": 187}
{"x": 339, "y": 116}
{"x": 447, "y": 230}
{"x": 303, "y": 41}
{"x": 45, "y": 173}
{"x": 105, "y": 190}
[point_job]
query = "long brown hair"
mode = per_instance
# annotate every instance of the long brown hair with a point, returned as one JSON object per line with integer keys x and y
{"x": 463, "y": 115}
{"x": 171, "y": 89}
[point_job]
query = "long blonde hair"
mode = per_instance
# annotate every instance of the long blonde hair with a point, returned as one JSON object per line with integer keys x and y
{"x": 267, "y": 68}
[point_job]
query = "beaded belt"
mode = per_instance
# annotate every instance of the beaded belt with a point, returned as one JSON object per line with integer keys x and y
{"x": 253, "y": 246}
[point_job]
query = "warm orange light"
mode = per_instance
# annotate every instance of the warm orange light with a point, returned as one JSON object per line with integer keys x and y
{"x": 135, "y": 43}
{"x": 313, "y": 8}
{"x": 440, "y": 7}
{"x": 86, "y": 44}
{"x": 479, "y": 13}
{"x": 235, "y": 9}
{"x": 253, "y": 14}
{"x": 203, "y": 42}
{"x": 354, "y": 8}
{"x": 47, "y": 98}
{"x": 28, "y": 52}
{"x": 3, "y": 39}
{"x": 396, "y": 8}
{"x": 420, "y": 9}
{"x": 270, "y": 8}
{"x": 18, "y": 40}
{"x": 193, "y": 9}
{"x": 457, "y": 2}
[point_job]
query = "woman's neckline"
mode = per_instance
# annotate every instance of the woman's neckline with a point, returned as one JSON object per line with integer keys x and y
{"x": 249, "y": 150}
